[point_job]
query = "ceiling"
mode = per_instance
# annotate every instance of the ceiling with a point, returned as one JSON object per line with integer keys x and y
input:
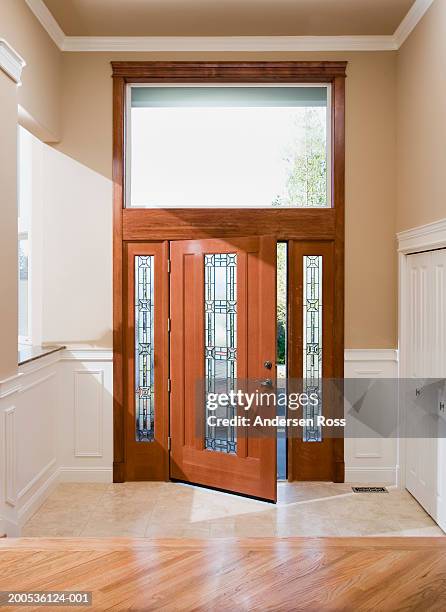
{"x": 228, "y": 17}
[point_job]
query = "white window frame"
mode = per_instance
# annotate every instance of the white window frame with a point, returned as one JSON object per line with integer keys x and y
{"x": 128, "y": 131}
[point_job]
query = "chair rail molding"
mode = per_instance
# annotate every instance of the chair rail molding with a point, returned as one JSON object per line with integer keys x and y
{"x": 11, "y": 62}
{"x": 422, "y": 238}
{"x": 371, "y": 355}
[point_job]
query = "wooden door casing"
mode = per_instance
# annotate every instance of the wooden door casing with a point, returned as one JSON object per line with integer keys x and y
{"x": 153, "y": 224}
{"x": 252, "y": 470}
{"x": 148, "y": 460}
{"x": 312, "y": 460}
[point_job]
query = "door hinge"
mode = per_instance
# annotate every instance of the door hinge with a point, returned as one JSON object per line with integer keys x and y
{"x": 168, "y": 266}
{"x": 168, "y": 325}
{"x": 169, "y": 443}
{"x": 169, "y": 385}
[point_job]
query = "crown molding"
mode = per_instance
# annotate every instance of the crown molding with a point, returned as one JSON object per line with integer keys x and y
{"x": 423, "y": 238}
{"x": 409, "y": 22}
{"x": 43, "y": 14}
{"x": 11, "y": 62}
{"x": 229, "y": 43}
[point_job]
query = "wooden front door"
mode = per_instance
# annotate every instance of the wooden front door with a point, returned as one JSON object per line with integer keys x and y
{"x": 223, "y": 334}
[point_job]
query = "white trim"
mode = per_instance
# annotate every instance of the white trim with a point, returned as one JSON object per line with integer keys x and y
{"x": 10, "y": 456}
{"x": 36, "y": 478}
{"x": 85, "y": 474}
{"x": 371, "y": 355}
{"x": 98, "y": 452}
{"x": 36, "y": 499}
{"x": 43, "y": 14}
{"x": 40, "y": 381}
{"x": 87, "y": 354}
{"x": 423, "y": 238}
{"x": 410, "y": 21}
{"x": 379, "y": 475}
{"x": 10, "y": 386}
{"x": 11, "y": 62}
{"x": 39, "y": 363}
{"x": 9, "y": 528}
{"x": 229, "y": 43}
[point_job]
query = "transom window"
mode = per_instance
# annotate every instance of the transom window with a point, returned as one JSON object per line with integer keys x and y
{"x": 228, "y": 146}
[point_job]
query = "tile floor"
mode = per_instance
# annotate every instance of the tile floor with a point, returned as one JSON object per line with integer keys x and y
{"x": 153, "y": 509}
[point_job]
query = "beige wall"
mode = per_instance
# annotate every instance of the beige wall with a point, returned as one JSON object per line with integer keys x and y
{"x": 8, "y": 226}
{"x": 421, "y": 122}
{"x": 370, "y": 178}
{"x": 39, "y": 99}
{"x": 39, "y": 94}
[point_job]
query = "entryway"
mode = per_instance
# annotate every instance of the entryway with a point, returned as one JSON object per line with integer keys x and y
{"x": 213, "y": 316}
{"x": 195, "y": 281}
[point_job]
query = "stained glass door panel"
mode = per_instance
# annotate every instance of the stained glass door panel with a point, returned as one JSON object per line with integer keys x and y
{"x": 146, "y": 361}
{"x": 223, "y": 330}
{"x": 311, "y": 356}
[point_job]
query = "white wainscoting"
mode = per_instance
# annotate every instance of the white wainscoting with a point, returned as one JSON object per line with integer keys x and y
{"x": 85, "y": 419}
{"x": 372, "y": 460}
{"x": 57, "y": 425}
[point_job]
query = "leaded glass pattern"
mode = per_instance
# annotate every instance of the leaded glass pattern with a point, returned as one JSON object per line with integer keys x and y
{"x": 144, "y": 348}
{"x": 220, "y": 287}
{"x": 312, "y": 345}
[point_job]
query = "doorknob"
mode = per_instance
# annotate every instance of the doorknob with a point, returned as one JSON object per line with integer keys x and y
{"x": 266, "y": 383}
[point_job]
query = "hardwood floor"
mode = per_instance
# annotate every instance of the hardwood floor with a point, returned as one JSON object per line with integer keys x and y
{"x": 236, "y": 574}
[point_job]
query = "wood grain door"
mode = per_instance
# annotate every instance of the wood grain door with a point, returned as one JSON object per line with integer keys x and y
{"x": 223, "y": 332}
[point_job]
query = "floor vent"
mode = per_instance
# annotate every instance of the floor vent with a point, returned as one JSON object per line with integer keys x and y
{"x": 369, "y": 490}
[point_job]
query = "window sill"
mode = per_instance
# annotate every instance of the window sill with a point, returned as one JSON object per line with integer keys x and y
{"x": 29, "y": 353}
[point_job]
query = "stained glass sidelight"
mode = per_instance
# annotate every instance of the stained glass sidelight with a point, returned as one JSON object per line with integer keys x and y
{"x": 144, "y": 347}
{"x": 220, "y": 286}
{"x": 312, "y": 345}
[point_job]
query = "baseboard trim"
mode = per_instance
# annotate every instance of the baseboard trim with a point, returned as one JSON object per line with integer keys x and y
{"x": 9, "y": 529}
{"x": 86, "y": 474}
{"x": 37, "y": 499}
{"x": 377, "y": 475}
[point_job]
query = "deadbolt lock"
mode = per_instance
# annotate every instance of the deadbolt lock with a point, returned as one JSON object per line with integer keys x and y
{"x": 268, "y": 365}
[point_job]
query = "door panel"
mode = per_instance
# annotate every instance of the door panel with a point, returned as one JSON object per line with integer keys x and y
{"x": 311, "y": 451}
{"x": 147, "y": 362}
{"x": 425, "y": 304}
{"x": 223, "y": 330}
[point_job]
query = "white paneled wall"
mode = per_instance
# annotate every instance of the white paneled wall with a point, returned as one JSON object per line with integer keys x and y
{"x": 28, "y": 440}
{"x": 372, "y": 460}
{"x": 85, "y": 425}
{"x": 57, "y": 425}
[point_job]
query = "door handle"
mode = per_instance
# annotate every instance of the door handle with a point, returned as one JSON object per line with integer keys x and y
{"x": 267, "y": 382}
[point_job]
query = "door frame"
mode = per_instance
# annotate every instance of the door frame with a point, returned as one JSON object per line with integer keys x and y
{"x": 145, "y": 225}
